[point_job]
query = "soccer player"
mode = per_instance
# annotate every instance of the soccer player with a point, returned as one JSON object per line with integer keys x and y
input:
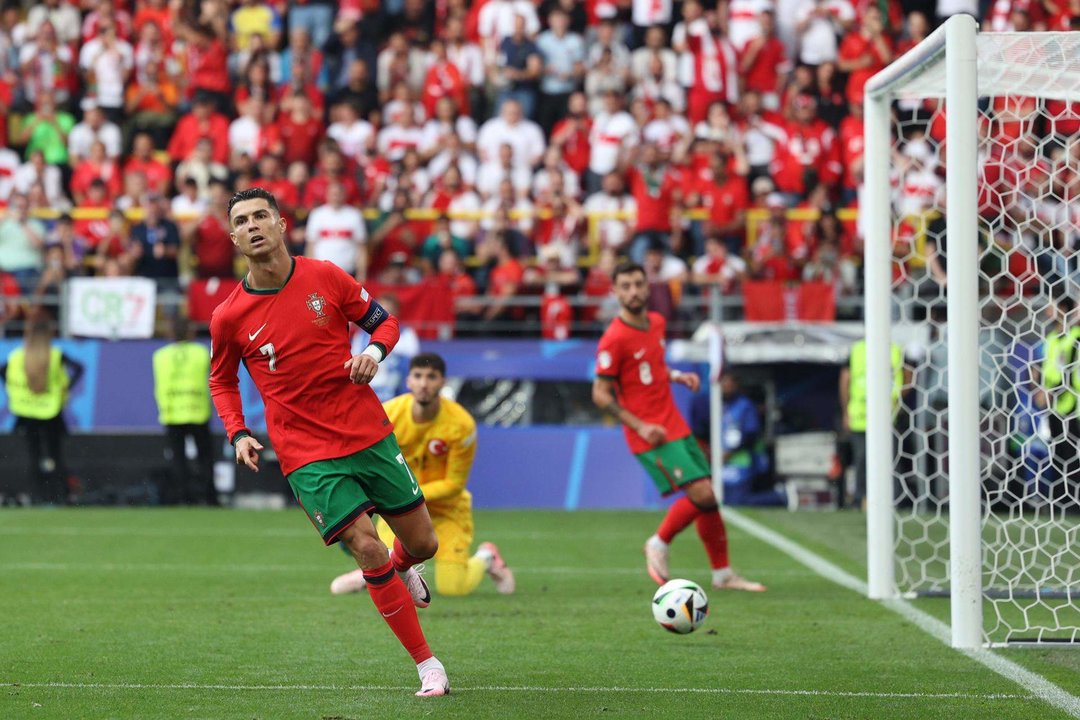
{"x": 288, "y": 323}
{"x": 633, "y": 386}
{"x": 438, "y": 438}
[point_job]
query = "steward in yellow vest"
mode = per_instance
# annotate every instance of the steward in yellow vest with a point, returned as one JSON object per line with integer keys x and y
{"x": 1058, "y": 389}
{"x": 853, "y": 389}
{"x": 37, "y": 378}
{"x": 182, "y": 392}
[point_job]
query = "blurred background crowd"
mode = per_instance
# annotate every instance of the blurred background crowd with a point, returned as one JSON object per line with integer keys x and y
{"x": 507, "y": 151}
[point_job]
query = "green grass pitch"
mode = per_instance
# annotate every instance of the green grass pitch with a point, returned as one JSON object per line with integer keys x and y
{"x": 216, "y": 614}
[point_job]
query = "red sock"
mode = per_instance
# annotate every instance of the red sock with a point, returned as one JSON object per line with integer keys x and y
{"x": 395, "y": 604}
{"x": 679, "y": 516}
{"x": 401, "y": 558}
{"x": 713, "y": 534}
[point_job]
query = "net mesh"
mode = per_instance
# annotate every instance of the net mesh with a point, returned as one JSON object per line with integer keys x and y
{"x": 1029, "y": 180}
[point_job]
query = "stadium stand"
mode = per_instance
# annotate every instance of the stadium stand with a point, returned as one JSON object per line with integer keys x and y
{"x": 720, "y": 143}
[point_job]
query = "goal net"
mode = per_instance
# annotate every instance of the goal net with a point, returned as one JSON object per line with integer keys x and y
{"x": 973, "y": 225}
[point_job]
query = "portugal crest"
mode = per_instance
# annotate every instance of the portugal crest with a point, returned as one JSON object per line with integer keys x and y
{"x": 317, "y": 304}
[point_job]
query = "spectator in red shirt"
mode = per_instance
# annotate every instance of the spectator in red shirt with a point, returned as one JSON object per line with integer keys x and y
{"x": 462, "y": 286}
{"x": 504, "y": 279}
{"x": 865, "y": 52}
{"x": 142, "y": 160}
{"x": 156, "y": 12}
{"x": 150, "y": 101}
{"x": 332, "y": 168}
{"x": 852, "y": 146}
{"x": 202, "y": 122}
{"x": 299, "y": 131}
{"x": 96, "y": 165}
{"x": 771, "y": 258}
{"x": 571, "y": 134}
{"x": 656, "y": 191}
{"x": 209, "y": 238}
{"x": 444, "y": 80}
{"x": 763, "y": 61}
{"x": 207, "y": 66}
{"x": 811, "y": 154}
{"x": 726, "y": 199}
{"x": 301, "y": 82}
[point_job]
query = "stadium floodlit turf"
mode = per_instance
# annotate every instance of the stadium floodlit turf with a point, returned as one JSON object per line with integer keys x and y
{"x": 218, "y": 614}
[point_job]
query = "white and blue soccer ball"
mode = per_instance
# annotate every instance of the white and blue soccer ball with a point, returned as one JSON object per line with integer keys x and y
{"x": 680, "y": 606}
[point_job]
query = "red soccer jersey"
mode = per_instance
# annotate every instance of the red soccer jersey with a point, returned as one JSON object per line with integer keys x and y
{"x": 294, "y": 343}
{"x": 634, "y": 359}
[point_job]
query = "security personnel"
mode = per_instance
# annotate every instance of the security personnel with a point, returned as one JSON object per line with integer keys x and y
{"x": 853, "y": 408}
{"x": 37, "y": 377}
{"x": 1060, "y": 392}
{"x": 182, "y": 391}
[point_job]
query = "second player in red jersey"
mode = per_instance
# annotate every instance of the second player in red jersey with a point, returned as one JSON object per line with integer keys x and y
{"x": 633, "y": 357}
{"x": 633, "y": 385}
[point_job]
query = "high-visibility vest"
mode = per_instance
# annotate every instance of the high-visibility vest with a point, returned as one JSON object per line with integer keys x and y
{"x": 856, "y": 408}
{"x": 24, "y": 402}
{"x": 182, "y": 383}
{"x": 1060, "y": 359}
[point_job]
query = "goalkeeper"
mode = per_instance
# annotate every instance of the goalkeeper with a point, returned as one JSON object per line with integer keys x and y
{"x": 438, "y": 441}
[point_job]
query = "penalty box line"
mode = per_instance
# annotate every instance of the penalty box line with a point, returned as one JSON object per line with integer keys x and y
{"x": 1037, "y": 685}
{"x": 521, "y": 688}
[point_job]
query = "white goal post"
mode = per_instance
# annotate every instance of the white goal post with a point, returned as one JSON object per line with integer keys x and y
{"x": 937, "y": 495}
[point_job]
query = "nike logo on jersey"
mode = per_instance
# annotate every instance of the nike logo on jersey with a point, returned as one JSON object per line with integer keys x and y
{"x": 252, "y": 336}
{"x": 639, "y": 354}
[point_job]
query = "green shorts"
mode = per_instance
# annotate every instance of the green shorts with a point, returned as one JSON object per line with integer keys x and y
{"x": 335, "y": 492}
{"x": 675, "y": 464}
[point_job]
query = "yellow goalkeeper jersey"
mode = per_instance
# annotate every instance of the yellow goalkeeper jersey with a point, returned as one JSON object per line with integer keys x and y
{"x": 440, "y": 453}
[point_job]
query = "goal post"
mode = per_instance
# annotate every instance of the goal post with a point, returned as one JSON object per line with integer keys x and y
{"x": 960, "y": 501}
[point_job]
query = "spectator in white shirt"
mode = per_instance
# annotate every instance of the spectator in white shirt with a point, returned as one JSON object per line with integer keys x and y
{"x": 462, "y": 200}
{"x": 614, "y": 232}
{"x": 606, "y": 39}
{"x": 656, "y": 46}
{"x": 555, "y": 174}
{"x": 510, "y": 127}
{"x": 354, "y": 135}
{"x": 820, "y": 22}
{"x": 647, "y": 15}
{"x": 744, "y": 20}
{"x": 520, "y": 210}
{"x": 336, "y": 232}
{"x": 400, "y": 134}
{"x": 668, "y": 131}
{"x": 106, "y": 62}
{"x": 35, "y": 171}
{"x": 453, "y": 155}
{"x": 245, "y": 132}
{"x": 492, "y": 174}
{"x": 64, "y": 17}
{"x": 188, "y": 207}
{"x": 446, "y": 123}
{"x": 613, "y": 132}
{"x": 94, "y": 127}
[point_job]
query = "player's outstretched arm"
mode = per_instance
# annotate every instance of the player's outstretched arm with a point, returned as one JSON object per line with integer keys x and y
{"x": 603, "y": 394}
{"x": 689, "y": 379}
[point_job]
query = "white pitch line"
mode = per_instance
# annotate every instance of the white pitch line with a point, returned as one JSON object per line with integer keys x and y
{"x": 525, "y": 688}
{"x": 232, "y": 568}
{"x": 1036, "y": 684}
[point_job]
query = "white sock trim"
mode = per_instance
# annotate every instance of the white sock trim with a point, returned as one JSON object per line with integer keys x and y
{"x": 432, "y": 663}
{"x": 657, "y": 543}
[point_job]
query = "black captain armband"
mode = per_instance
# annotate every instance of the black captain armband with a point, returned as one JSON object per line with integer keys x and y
{"x": 374, "y": 317}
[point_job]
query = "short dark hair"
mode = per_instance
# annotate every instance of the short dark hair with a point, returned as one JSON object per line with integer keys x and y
{"x": 429, "y": 360}
{"x": 626, "y": 267}
{"x": 254, "y": 193}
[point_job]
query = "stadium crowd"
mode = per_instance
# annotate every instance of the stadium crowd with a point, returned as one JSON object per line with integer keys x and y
{"x": 503, "y": 147}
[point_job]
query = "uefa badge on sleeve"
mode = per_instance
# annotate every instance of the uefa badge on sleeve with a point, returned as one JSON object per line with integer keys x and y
{"x": 319, "y": 518}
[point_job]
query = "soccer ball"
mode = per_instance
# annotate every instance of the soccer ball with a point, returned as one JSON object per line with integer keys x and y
{"x": 680, "y": 606}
